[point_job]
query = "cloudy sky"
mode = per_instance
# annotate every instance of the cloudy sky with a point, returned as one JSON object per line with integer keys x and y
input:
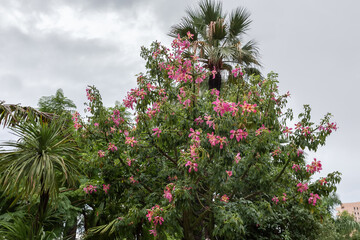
{"x": 313, "y": 45}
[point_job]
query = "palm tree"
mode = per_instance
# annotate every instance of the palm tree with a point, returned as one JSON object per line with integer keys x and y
{"x": 41, "y": 161}
{"x": 218, "y": 39}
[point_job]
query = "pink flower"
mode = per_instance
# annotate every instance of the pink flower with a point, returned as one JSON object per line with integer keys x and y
{"x": 323, "y": 181}
{"x": 296, "y": 167}
{"x": 299, "y": 152}
{"x": 214, "y": 72}
{"x": 237, "y": 158}
{"x": 198, "y": 120}
{"x": 129, "y": 161}
{"x": 236, "y": 72}
{"x": 106, "y": 188}
{"x": 130, "y": 141}
{"x": 284, "y": 197}
{"x": 313, "y": 198}
{"x": 96, "y": 124}
{"x": 287, "y": 131}
{"x": 191, "y": 166}
{"x": 314, "y": 167}
{"x": 224, "y": 198}
{"x": 212, "y": 139}
{"x": 158, "y": 220}
{"x": 229, "y": 173}
{"x": 302, "y": 187}
{"x": 275, "y": 199}
{"x": 221, "y": 140}
{"x": 248, "y": 107}
{"x": 214, "y": 91}
{"x": 112, "y": 147}
{"x": 276, "y": 152}
{"x": 153, "y": 232}
{"x": 157, "y": 132}
{"x": 101, "y": 153}
{"x": 167, "y": 192}
{"x": 261, "y": 130}
{"x": 90, "y": 189}
{"x": 190, "y": 36}
{"x": 208, "y": 122}
{"x": 132, "y": 180}
{"x": 239, "y": 134}
{"x": 306, "y": 131}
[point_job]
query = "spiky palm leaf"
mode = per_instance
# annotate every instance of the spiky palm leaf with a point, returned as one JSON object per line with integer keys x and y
{"x": 11, "y": 114}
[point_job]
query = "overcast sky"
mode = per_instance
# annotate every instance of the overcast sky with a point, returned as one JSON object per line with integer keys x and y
{"x": 313, "y": 45}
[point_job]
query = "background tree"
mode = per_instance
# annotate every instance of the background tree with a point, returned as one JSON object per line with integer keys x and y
{"x": 218, "y": 39}
{"x": 43, "y": 159}
{"x": 57, "y": 103}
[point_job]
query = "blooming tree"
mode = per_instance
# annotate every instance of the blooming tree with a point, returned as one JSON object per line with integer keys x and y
{"x": 191, "y": 163}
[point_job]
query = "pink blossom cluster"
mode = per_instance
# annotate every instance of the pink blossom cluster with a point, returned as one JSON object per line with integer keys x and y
{"x": 130, "y": 141}
{"x": 306, "y": 131}
{"x": 130, "y": 98}
{"x": 214, "y": 91}
{"x": 112, "y": 147}
{"x": 90, "y": 189}
{"x": 323, "y": 181}
{"x": 116, "y": 117}
{"x": 237, "y": 158}
{"x": 167, "y": 192}
{"x": 299, "y": 152}
{"x": 221, "y": 107}
{"x": 195, "y": 136}
{"x": 192, "y": 166}
{"x": 296, "y": 167}
{"x": 157, "y": 132}
{"x": 154, "y": 216}
{"x": 75, "y": 119}
{"x": 151, "y": 112}
{"x": 101, "y": 153}
{"x": 237, "y": 72}
{"x": 224, "y": 198}
{"x": 276, "y": 152}
{"x": 198, "y": 120}
{"x": 132, "y": 180}
{"x": 314, "y": 167}
{"x": 90, "y": 97}
{"x": 106, "y": 188}
{"x": 239, "y": 134}
{"x": 214, "y": 140}
{"x": 302, "y": 187}
{"x": 261, "y": 130}
{"x": 129, "y": 161}
{"x": 313, "y": 198}
{"x": 287, "y": 131}
{"x": 248, "y": 107}
{"x": 329, "y": 128}
{"x": 208, "y": 122}
{"x": 276, "y": 200}
{"x": 182, "y": 95}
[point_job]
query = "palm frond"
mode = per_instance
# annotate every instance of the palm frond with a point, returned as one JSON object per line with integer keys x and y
{"x": 11, "y": 114}
{"x": 239, "y": 22}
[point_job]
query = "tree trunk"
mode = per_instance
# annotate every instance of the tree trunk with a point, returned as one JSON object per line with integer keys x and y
{"x": 40, "y": 216}
{"x": 215, "y": 81}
